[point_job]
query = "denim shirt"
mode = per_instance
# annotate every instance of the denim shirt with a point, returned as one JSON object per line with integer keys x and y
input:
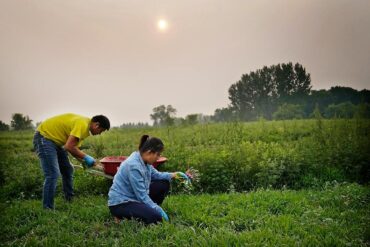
{"x": 132, "y": 181}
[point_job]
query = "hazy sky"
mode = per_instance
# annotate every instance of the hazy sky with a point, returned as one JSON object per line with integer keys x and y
{"x": 109, "y": 57}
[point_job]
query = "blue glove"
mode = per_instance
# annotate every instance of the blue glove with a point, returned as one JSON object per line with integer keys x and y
{"x": 90, "y": 161}
{"x": 164, "y": 215}
{"x": 183, "y": 176}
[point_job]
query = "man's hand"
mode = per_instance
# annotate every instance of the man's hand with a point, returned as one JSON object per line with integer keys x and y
{"x": 90, "y": 161}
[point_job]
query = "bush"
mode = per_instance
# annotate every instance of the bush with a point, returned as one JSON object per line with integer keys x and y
{"x": 342, "y": 110}
{"x": 288, "y": 111}
{"x": 230, "y": 156}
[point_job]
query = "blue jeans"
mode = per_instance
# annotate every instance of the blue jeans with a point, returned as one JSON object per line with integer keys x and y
{"x": 54, "y": 161}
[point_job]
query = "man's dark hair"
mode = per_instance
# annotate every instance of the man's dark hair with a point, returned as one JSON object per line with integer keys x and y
{"x": 102, "y": 120}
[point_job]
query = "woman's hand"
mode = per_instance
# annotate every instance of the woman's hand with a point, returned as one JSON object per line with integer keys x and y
{"x": 181, "y": 175}
{"x": 164, "y": 215}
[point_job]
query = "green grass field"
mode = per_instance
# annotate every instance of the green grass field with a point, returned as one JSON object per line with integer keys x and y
{"x": 287, "y": 183}
{"x": 336, "y": 216}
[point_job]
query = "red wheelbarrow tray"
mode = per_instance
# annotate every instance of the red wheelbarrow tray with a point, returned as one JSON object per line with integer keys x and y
{"x": 111, "y": 163}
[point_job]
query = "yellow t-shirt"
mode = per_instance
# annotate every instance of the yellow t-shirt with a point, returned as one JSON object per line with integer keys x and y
{"x": 59, "y": 128}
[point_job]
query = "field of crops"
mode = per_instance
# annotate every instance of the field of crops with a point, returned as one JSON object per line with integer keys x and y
{"x": 300, "y": 182}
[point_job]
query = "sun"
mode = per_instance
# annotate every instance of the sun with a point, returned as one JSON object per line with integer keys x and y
{"x": 162, "y": 25}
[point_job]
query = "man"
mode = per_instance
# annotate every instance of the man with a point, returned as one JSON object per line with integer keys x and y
{"x": 53, "y": 138}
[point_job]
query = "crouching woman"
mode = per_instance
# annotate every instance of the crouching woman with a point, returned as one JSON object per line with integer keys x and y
{"x": 138, "y": 189}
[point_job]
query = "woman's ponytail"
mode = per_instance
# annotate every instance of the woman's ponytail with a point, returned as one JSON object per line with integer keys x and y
{"x": 143, "y": 139}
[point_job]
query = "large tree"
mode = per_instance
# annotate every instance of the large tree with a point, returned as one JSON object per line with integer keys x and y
{"x": 292, "y": 82}
{"x": 259, "y": 93}
{"x": 20, "y": 122}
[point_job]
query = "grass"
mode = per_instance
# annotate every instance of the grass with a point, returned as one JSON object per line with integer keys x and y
{"x": 338, "y": 215}
{"x": 233, "y": 156}
{"x": 260, "y": 164}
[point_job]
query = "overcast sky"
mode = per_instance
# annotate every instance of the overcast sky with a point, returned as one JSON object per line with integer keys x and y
{"x": 109, "y": 57}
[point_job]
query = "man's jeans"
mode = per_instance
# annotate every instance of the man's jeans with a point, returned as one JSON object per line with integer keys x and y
{"x": 54, "y": 161}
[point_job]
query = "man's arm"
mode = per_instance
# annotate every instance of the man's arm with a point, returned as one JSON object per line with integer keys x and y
{"x": 72, "y": 147}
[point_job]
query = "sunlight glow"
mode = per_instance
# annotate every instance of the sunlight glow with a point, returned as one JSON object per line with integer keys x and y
{"x": 162, "y": 25}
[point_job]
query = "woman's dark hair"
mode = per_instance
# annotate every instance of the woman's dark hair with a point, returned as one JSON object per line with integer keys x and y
{"x": 102, "y": 120}
{"x": 152, "y": 144}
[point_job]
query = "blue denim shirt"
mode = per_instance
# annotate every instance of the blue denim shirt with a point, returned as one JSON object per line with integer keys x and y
{"x": 132, "y": 181}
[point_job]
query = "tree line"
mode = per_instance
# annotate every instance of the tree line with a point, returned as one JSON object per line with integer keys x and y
{"x": 284, "y": 91}
{"x": 281, "y": 91}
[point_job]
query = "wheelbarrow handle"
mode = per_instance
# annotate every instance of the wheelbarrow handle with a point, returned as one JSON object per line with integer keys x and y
{"x": 98, "y": 166}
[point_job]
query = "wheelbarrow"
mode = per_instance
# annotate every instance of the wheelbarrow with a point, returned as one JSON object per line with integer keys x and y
{"x": 108, "y": 166}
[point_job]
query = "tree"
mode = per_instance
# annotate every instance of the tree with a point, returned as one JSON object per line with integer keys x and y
{"x": 163, "y": 115}
{"x": 158, "y": 114}
{"x": 3, "y": 126}
{"x": 316, "y": 113}
{"x": 344, "y": 94}
{"x": 362, "y": 111}
{"x": 224, "y": 115}
{"x": 258, "y": 93}
{"x": 289, "y": 111}
{"x": 334, "y": 96}
{"x": 191, "y": 119}
{"x": 341, "y": 110}
{"x": 292, "y": 82}
{"x": 321, "y": 98}
{"x": 202, "y": 119}
{"x": 20, "y": 122}
{"x": 133, "y": 125}
{"x": 170, "y": 115}
{"x": 253, "y": 95}
{"x": 364, "y": 96}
